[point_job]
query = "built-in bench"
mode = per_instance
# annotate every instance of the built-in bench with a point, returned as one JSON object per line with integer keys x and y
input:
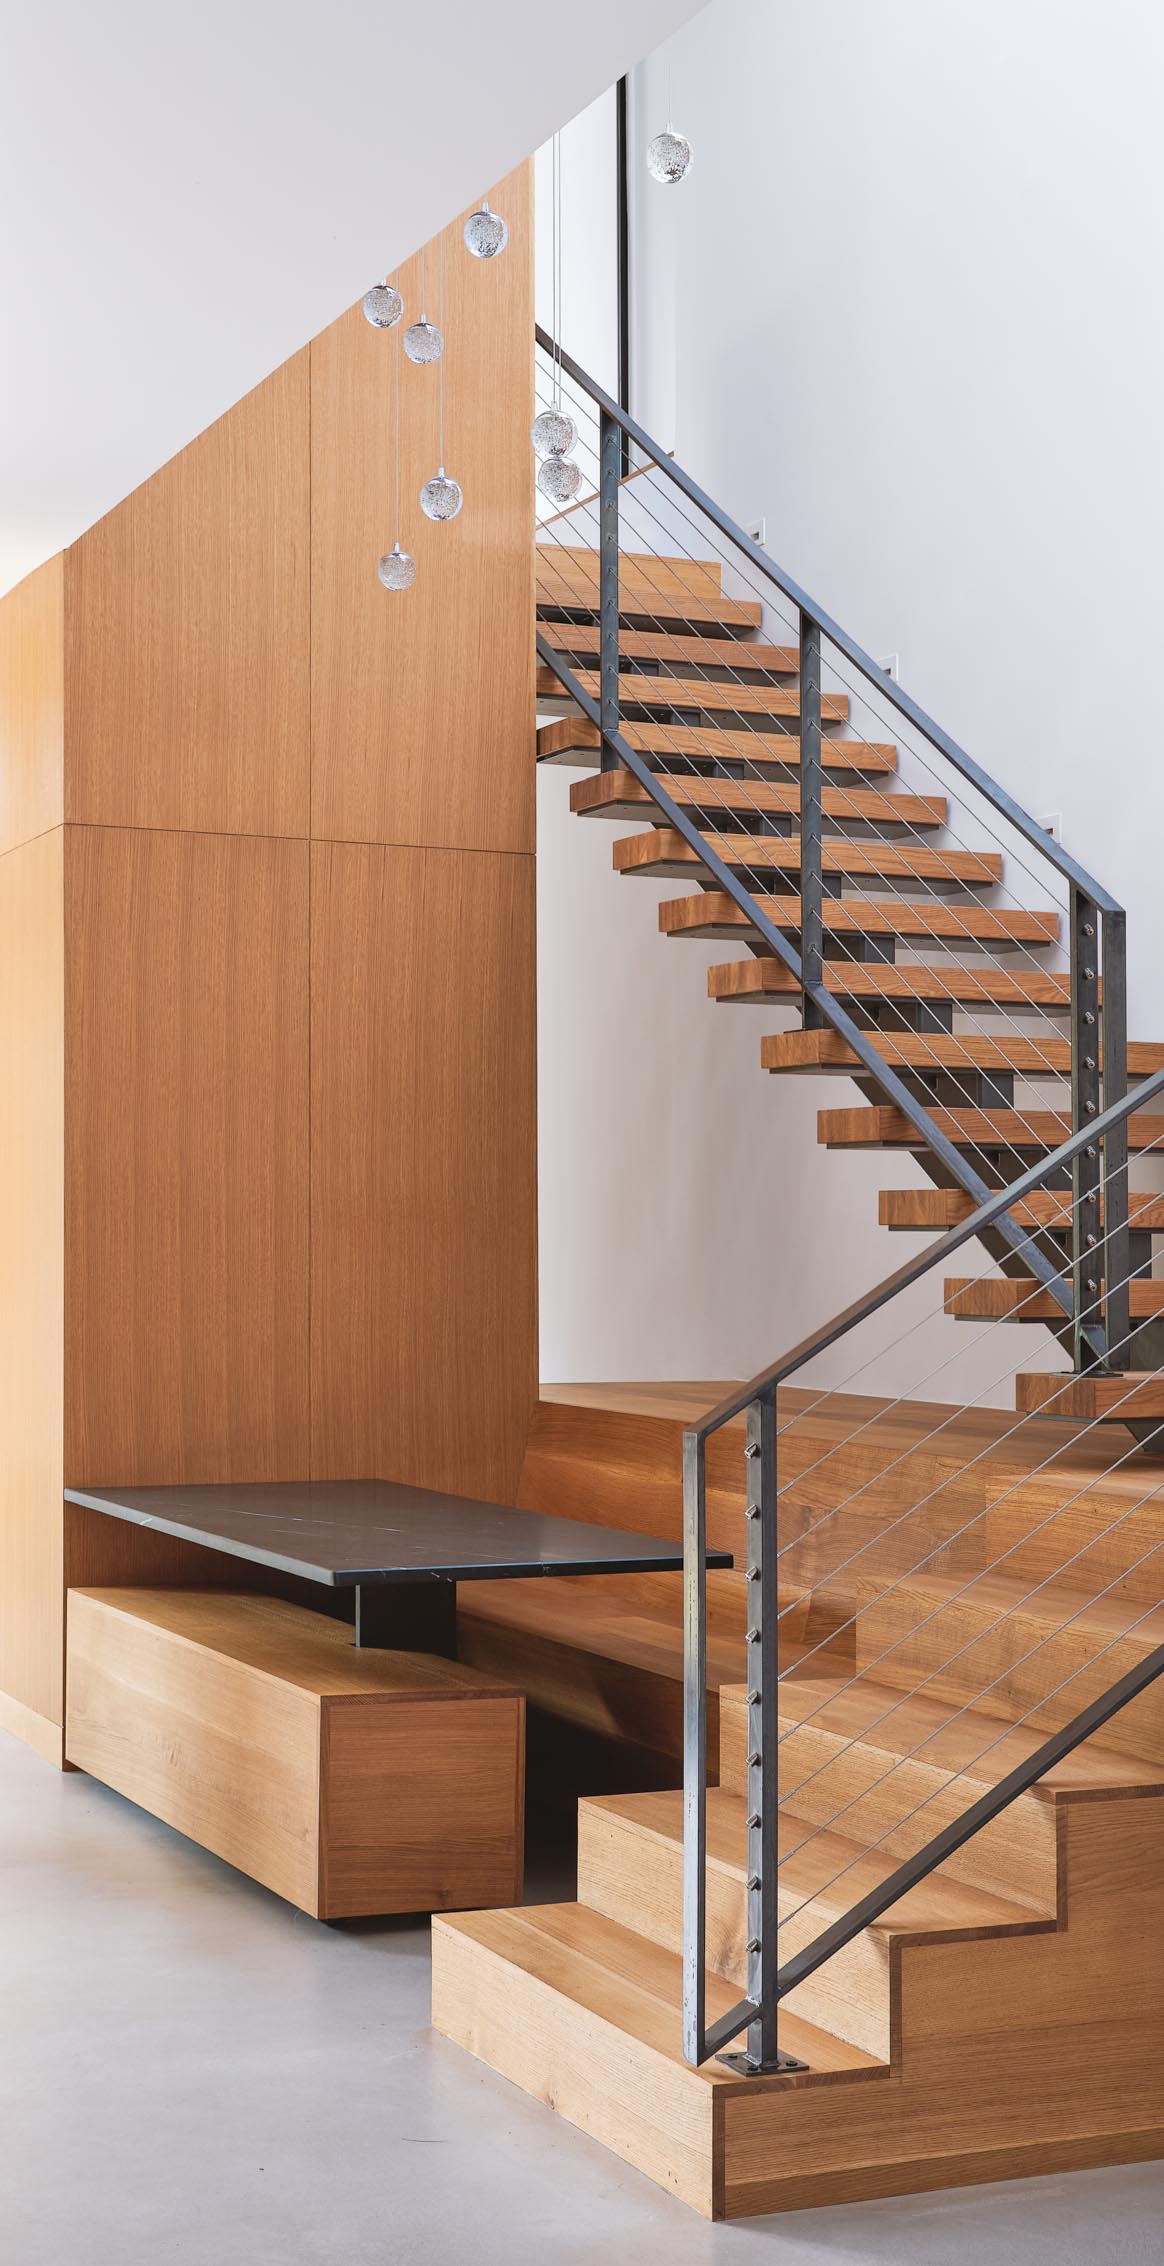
{"x": 351, "y": 1781}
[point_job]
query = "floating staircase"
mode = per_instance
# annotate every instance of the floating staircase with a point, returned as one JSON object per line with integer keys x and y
{"x": 917, "y": 1853}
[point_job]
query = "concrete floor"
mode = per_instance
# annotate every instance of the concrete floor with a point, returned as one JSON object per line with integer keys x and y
{"x": 192, "y": 2072}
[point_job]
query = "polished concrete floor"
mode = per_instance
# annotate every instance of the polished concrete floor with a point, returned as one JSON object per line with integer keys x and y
{"x": 192, "y": 2072}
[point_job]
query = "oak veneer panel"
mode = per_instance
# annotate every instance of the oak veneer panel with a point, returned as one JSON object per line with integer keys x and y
{"x": 188, "y": 633}
{"x": 31, "y": 1274}
{"x": 423, "y": 703}
{"x": 349, "y": 1782}
{"x": 424, "y": 1291}
{"x": 32, "y": 706}
{"x": 187, "y": 1157}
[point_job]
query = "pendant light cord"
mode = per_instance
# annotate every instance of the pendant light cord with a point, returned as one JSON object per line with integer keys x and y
{"x": 397, "y": 421}
{"x": 441, "y": 357}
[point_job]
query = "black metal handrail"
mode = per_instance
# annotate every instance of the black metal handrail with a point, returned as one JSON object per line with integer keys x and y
{"x": 768, "y": 1982}
{"x": 1096, "y": 1322}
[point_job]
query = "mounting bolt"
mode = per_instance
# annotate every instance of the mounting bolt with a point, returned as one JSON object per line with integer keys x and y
{"x": 753, "y": 1510}
{"x": 1089, "y": 1062}
{"x": 1089, "y": 974}
{"x": 754, "y": 1699}
{"x": 1089, "y": 1017}
{"x": 753, "y": 1636}
{"x": 754, "y": 1761}
{"x": 754, "y": 1881}
{"x": 754, "y": 1822}
{"x": 1091, "y": 1283}
{"x": 1093, "y": 1153}
{"x": 754, "y": 1944}
{"x": 752, "y": 1448}
{"x": 755, "y": 1573}
{"x": 1092, "y": 1241}
{"x": 1089, "y": 928}
{"x": 1091, "y": 1109}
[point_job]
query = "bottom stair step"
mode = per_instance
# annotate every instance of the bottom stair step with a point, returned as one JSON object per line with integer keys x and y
{"x": 626, "y": 1839}
{"x": 1031, "y": 2052}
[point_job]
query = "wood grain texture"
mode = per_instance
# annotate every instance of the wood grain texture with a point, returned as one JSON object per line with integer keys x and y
{"x": 187, "y": 1157}
{"x": 424, "y": 1289}
{"x": 763, "y": 980}
{"x": 424, "y": 702}
{"x": 349, "y": 1782}
{"x": 572, "y": 736}
{"x": 1008, "y": 1129}
{"x": 663, "y": 851}
{"x": 32, "y": 1101}
{"x": 609, "y": 794}
{"x": 713, "y": 913}
{"x": 32, "y": 706}
{"x": 187, "y": 635}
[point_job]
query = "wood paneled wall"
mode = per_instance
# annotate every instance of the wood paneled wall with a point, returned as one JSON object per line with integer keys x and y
{"x": 267, "y": 1077}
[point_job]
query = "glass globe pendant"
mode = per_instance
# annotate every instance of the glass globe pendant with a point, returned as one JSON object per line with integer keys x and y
{"x": 486, "y": 234}
{"x": 669, "y": 156}
{"x": 383, "y": 305}
{"x": 397, "y": 570}
{"x": 441, "y": 498}
{"x": 553, "y": 433}
{"x": 424, "y": 342}
{"x": 559, "y": 479}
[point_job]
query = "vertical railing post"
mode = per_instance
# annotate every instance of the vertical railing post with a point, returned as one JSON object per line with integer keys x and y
{"x": 1086, "y": 1247}
{"x": 694, "y": 1744}
{"x": 811, "y": 884}
{"x": 609, "y": 468}
{"x": 1116, "y": 1251}
{"x": 763, "y": 1673}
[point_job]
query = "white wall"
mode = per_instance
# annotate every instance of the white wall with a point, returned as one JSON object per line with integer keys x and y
{"x": 907, "y": 307}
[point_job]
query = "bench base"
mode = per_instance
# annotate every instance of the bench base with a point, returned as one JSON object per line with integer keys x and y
{"x": 351, "y": 1782}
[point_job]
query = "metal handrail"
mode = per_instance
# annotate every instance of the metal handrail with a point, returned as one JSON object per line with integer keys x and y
{"x": 887, "y": 687}
{"x": 769, "y": 1982}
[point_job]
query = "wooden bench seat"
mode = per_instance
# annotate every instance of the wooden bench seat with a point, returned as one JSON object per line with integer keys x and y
{"x": 349, "y": 1781}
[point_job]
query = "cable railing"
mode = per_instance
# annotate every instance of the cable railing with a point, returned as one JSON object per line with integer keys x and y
{"x": 802, "y": 906}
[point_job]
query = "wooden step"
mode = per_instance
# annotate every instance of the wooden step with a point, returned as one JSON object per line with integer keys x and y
{"x": 768, "y": 980}
{"x": 579, "y": 564}
{"x": 878, "y": 1761}
{"x": 1035, "y": 2052}
{"x": 570, "y": 739}
{"x": 1009, "y": 1648}
{"x": 615, "y": 794}
{"x": 643, "y": 605}
{"x": 1136, "y": 1395}
{"x": 583, "y": 643}
{"x": 714, "y": 914}
{"x": 663, "y": 854}
{"x": 698, "y": 693}
{"x": 1039, "y": 1130}
{"x": 579, "y": 1653}
{"x": 920, "y": 1209}
{"x": 1030, "y": 1058}
{"x": 1018, "y": 1298}
{"x": 627, "y": 1840}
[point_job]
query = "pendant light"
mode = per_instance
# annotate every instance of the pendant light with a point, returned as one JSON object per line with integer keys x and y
{"x": 383, "y": 305}
{"x": 424, "y": 342}
{"x": 553, "y": 432}
{"x": 669, "y": 154}
{"x": 397, "y": 569}
{"x": 441, "y": 498}
{"x": 485, "y": 233}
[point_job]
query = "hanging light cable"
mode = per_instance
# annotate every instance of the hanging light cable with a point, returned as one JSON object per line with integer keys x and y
{"x": 424, "y": 341}
{"x": 397, "y": 570}
{"x": 441, "y": 498}
{"x": 669, "y": 155}
{"x": 553, "y": 432}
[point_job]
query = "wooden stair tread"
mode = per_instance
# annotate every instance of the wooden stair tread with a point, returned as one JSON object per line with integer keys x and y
{"x": 701, "y": 693}
{"x": 768, "y": 979}
{"x": 612, "y": 794}
{"x": 663, "y": 851}
{"x": 711, "y": 743}
{"x": 640, "y": 602}
{"x": 938, "y": 1050}
{"x": 713, "y": 913}
{"x": 625, "y": 1979}
{"x": 1019, "y": 1298}
{"x": 878, "y": 1126}
{"x": 909, "y": 1727}
{"x": 596, "y": 1623}
{"x": 1136, "y": 1395}
{"x": 919, "y": 1209}
{"x": 820, "y": 1871}
{"x": 581, "y": 563}
{"x": 584, "y": 640}
{"x": 1057, "y": 1605}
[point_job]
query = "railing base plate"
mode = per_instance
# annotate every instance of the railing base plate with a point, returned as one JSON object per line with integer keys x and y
{"x": 742, "y": 2065}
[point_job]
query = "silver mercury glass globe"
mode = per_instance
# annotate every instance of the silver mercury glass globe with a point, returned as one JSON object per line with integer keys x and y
{"x": 397, "y": 571}
{"x": 423, "y": 342}
{"x": 559, "y": 479}
{"x": 669, "y": 156}
{"x": 441, "y": 498}
{"x": 383, "y": 305}
{"x": 553, "y": 433}
{"x": 486, "y": 234}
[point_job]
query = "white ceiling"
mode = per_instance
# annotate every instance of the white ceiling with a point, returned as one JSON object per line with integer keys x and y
{"x": 188, "y": 195}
